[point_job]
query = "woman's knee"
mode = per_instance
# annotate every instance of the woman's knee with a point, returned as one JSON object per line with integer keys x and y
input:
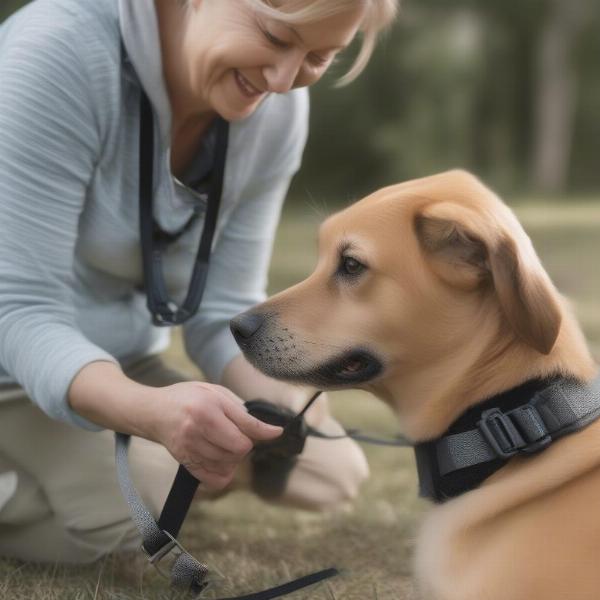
{"x": 328, "y": 475}
{"x": 93, "y": 542}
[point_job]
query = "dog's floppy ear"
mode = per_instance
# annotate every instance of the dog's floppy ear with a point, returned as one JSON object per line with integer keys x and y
{"x": 467, "y": 251}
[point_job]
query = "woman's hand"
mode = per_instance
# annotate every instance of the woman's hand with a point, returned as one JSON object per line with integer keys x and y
{"x": 207, "y": 429}
{"x": 204, "y": 426}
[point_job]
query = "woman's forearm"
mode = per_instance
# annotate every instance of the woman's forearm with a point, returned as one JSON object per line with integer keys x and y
{"x": 103, "y": 394}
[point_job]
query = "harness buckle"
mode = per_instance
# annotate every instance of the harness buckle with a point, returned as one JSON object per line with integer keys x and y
{"x": 520, "y": 430}
{"x": 500, "y": 433}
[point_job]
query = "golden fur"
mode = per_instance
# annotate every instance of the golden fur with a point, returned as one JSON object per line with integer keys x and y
{"x": 456, "y": 303}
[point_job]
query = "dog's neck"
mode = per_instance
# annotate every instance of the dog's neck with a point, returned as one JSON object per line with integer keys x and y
{"x": 429, "y": 401}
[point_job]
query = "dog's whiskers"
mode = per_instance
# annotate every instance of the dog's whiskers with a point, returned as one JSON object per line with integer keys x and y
{"x": 324, "y": 344}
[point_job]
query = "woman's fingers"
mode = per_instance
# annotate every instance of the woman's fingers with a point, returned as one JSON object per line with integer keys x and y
{"x": 215, "y": 481}
{"x": 255, "y": 429}
{"x": 205, "y": 450}
{"x": 223, "y": 433}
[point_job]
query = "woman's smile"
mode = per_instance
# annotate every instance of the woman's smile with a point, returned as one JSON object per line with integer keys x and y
{"x": 245, "y": 86}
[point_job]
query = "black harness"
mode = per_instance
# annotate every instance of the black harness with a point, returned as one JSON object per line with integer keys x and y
{"x": 521, "y": 421}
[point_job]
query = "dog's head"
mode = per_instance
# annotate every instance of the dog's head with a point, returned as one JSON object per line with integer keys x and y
{"x": 420, "y": 280}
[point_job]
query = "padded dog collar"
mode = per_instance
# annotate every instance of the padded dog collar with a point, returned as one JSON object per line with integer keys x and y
{"x": 523, "y": 420}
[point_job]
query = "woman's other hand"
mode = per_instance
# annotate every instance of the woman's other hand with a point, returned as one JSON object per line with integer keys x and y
{"x": 208, "y": 430}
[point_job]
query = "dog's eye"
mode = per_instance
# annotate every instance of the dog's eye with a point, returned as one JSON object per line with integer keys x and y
{"x": 350, "y": 266}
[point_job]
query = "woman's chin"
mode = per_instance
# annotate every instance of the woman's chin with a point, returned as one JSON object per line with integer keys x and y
{"x": 232, "y": 113}
{"x": 234, "y": 106}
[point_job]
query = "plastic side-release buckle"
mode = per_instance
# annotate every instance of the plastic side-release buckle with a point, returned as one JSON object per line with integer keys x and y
{"x": 520, "y": 430}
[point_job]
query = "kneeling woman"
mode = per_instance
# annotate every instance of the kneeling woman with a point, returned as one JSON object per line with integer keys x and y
{"x": 219, "y": 84}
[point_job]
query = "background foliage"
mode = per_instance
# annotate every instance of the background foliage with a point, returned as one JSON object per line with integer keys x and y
{"x": 506, "y": 88}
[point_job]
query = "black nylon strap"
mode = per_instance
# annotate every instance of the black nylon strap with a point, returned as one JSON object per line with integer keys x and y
{"x": 178, "y": 501}
{"x": 174, "y": 511}
{"x": 291, "y": 442}
{"x": 164, "y": 310}
{"x": 289, "y": 587}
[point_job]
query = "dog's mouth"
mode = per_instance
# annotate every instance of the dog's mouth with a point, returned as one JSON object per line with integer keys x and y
{"x": 355, "y": 366}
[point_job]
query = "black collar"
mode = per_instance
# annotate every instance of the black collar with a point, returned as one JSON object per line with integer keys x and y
{"x": 440, "y": 487}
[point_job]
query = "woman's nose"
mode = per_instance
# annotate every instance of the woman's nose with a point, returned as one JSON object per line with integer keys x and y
{"x": 282, "y": 74}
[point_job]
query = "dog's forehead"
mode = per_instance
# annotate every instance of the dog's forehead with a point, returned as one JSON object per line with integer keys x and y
{"x": 378, "y": 212}
{"x": 390, "y": 207}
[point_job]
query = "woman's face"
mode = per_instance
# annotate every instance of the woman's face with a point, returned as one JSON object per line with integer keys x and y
{"x": 235, "y": 56}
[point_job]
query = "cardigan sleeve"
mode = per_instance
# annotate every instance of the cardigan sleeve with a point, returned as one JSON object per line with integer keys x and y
{"x": 49, "y": 142}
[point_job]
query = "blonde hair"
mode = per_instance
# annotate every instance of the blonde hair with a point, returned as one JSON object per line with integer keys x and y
{"x": 380, "y": 14}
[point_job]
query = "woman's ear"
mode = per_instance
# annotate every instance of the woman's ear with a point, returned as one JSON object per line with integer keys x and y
{"x": 468, "y": 251}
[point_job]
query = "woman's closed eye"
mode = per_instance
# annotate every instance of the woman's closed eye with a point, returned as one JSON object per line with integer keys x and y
{"x": 314, "y": 59}
{"x": 275, "y": 41}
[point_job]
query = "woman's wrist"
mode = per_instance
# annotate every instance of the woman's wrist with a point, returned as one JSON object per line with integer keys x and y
{"x": 103, "y": 394}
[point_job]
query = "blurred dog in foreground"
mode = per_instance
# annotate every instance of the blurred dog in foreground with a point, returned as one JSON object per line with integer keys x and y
{"x": 430, "y": 295}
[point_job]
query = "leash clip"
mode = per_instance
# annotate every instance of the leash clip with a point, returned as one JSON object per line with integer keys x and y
{"x": 195, "y": 572}
{"x": 170, "y": 546}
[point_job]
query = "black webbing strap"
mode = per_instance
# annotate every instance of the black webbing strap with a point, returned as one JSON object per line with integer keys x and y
{"x": 174, "y": 511}
{"x": 288, "y": 588}
{"x": 296, "y": 430}
{"x": 163, "y": 309}
{"x": 178, "y": 501}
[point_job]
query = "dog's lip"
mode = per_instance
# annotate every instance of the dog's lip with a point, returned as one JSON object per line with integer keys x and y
{"x": 357, "y": 365}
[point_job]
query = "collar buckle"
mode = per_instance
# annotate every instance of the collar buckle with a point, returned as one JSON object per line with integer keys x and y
{"x": 521, "y": 430}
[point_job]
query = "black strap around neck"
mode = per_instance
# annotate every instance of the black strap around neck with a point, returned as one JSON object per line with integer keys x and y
{"x": 523, "y": 420}
{"x": 164, "y": 311}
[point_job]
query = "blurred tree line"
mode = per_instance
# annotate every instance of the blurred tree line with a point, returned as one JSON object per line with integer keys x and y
{"x": 506, "y": 88}
{"x": 509, "y": 89}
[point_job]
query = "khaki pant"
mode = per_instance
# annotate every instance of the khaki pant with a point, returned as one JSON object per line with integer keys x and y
{"x": 68, "y": 507}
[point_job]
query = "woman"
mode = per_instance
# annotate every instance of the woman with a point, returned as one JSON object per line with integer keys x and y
{"x": 75, "y": 335}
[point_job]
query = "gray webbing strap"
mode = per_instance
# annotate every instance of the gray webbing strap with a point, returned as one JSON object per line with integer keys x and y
{"x": 186, "y": 571}
{"x": 553, "y": 412}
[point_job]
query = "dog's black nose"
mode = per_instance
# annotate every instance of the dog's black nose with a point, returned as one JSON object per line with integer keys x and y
{"x": 244, "y": 326}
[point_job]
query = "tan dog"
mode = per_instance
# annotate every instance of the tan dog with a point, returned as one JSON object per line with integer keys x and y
{"x": 429, "y": 294}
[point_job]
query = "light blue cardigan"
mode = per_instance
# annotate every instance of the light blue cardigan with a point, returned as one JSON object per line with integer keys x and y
{"x": 70, "y": 263}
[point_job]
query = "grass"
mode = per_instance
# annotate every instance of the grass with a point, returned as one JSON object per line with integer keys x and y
{"x": 257, "y": 545}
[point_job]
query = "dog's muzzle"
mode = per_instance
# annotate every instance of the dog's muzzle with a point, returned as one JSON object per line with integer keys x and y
{"x": 280, "y": 353}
